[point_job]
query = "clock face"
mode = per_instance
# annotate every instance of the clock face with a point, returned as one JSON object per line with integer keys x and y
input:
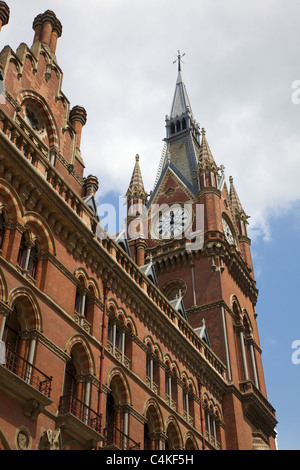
{"x": 228, "y": 233}
{"x": 172, "y": 223}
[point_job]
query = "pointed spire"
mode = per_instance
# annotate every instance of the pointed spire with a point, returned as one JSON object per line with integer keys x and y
{"x": 136, "y": 186}
{"x": 181, "y": 103}
{"x": 234, "y": 199}
{"x": 206, "y": 159}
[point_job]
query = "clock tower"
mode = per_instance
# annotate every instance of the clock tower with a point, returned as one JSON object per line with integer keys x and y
{"x": 200, "y": 249}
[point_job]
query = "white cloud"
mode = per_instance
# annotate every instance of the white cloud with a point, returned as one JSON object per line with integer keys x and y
{"x": 241, "y": 60}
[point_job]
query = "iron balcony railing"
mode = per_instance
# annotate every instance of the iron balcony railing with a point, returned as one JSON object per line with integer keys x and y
{"x": 27, "y": 372}
{"x": 115, "y": 437}
{"x": 69, "y": 404}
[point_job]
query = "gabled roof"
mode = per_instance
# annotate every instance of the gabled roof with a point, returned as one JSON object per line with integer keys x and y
{"x": 123, "y": 242}
{"x": 91, "y": 202}
{"x": 202, "y": 333}
{"x": 149, "y": 271}
{"x": 177, "y": 303}
{"x": 184, "y": 182}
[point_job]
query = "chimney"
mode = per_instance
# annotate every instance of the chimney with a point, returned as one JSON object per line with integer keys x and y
{"x": 78, "y": 118}
{"x": 4, "y": 14}
{"x": 91, "y": 185}
{"x": 47, "y": 29}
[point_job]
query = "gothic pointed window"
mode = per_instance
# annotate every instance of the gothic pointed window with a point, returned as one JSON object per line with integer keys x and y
{"x": 28, "y": 255}
{"x": 70, "y": 378}
{"x": 146, "y": 437}
{"x": 22, "y": 251}
{"x": 32, "y": 261}
{"x": 12, "y": 331}
{"x": 80, "y": 302}
{"x": 110, "y": 417}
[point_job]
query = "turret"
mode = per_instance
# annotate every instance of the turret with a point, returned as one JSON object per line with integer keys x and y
{"x": 47, "y": 29}
{"x": 207, "y": 170}
{"x": 4, "y": 14}
{"x": 241, "y": 223}
{"x": 136, "y": 197}
{"x": 78, "y": 118}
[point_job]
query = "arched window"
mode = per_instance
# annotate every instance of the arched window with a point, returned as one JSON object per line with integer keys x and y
{"x": 172, "y": 128}
{"x": 28, "y": 255}
{"x": 173, "y": 437}
{"x": 114, "y": 335}
{"x": 147, "y": 440}
{"x": 153, "y": 428}
{"x": 116, "y": 431}
{"x": 171, "y": 387}
{"x": 70, "y": 378}
{"x": 77, "y": 388}
{"x": 110, "y": 416}
{"x": 20, "y": 351}
{"x": 32, "y": 260}
{"x": 80, "y": 302}
{"x": 12, "y": 331}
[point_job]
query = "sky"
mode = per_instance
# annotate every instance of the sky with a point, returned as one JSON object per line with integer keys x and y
{"x": 242, "y": 73}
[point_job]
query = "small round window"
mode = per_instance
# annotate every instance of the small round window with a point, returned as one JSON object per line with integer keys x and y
{"x": 34, "y": 118}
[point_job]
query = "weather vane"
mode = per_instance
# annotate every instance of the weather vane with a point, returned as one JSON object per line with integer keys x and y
{"x": 179, "y": 59}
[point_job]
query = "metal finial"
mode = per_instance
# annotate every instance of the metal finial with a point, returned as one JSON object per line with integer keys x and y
{"x": 179, "y": 59}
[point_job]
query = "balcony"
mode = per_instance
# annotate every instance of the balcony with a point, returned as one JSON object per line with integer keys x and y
{"x": 114, "y": 438}
{"x": 257, "y": 408}
{"x": 24, "y": 382}
{"x": 79, "y": 420}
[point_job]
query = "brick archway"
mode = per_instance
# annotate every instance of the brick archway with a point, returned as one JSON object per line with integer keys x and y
{"x": 174, "y": 437}
{"x": 52, "y": 131}
{"x": 84, "y": 358}
{"x": 153, "y": 415}
{"x": 117, "y": 382}
{"x": 32, "y": 319}
{"x": 10, "y": 200}
{"x": 40, "y": 229}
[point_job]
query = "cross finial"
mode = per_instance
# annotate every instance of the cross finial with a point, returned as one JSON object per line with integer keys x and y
{"x": 179, "y": 59}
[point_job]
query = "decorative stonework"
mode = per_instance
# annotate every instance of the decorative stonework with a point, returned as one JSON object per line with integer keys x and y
{"x": 51, "y": 440}
{"x": 23, "y": 439}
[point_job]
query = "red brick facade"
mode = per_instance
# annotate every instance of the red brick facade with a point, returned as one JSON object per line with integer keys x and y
{"x": 95, "y": 354}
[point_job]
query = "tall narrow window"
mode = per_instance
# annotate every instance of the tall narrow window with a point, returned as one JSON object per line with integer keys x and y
{"x": 70, "y": 378}
{"x": 2, "y": 228}
{"x": 110, "y": 416}
{"x": 28, "y": 255}
{"x": 80, "y": 302}
{"x": 32, "y": 261}
{"x": 22, "y": 251}
{"x": 146, "y": 437}
{"x": 12, "y": 331}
